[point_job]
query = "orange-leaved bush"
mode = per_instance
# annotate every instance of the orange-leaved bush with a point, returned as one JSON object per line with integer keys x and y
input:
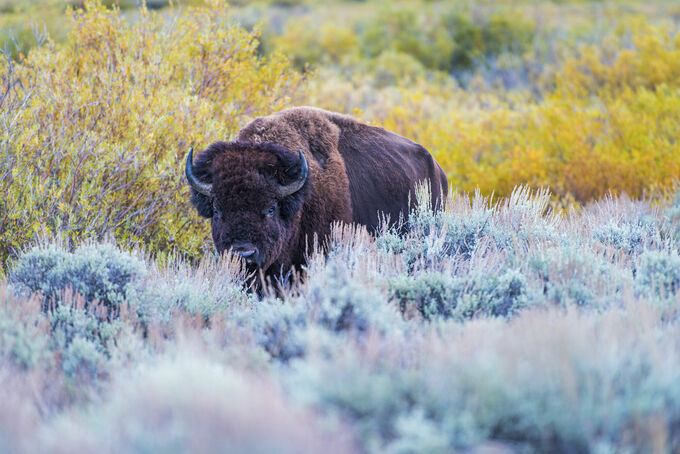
{"x": 94, "y": 131}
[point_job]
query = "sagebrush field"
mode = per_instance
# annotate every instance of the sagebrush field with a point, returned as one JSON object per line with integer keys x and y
{"x": 538, "y": 312}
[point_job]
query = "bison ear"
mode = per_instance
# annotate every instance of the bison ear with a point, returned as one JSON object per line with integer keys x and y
{"x": 202, "y": 204}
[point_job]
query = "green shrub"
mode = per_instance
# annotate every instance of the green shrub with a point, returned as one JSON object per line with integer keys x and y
{"x": 395, "y": 68}
{"x": 407, "y": 31}
{"x": 507, "y": 32}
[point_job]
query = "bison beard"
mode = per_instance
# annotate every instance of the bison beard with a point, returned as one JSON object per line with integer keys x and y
{"x": 289, "y": 176}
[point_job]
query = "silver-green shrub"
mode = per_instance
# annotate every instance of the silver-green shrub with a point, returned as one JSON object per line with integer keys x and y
{"x": 98, "y": 272}
{"x": 438, "y": 295}
{"x": 277, "y": 326}
{"x": 485, "y": 325}
{"x": 546, "y": 382}
{"x": 571, "y": 274}
{"x": 209, "y": 288}
{"x": 22, "y": 331}
{"x": 658, "y": 274}
{"x": 187, "y": 402}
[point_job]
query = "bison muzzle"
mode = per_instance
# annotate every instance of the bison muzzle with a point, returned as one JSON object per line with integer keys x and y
{"x": 287, "y": 177}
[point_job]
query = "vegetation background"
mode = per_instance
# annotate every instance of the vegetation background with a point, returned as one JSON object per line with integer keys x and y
{"x": 520, "y": 319}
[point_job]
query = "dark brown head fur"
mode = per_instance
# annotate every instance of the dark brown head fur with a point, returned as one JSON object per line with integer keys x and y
{"x": 245, "y": 207}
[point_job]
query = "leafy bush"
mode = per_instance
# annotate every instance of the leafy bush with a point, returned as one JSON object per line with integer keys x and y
{"x": 392, "y": 67}
{"x": 308, "y": 43}
{"x": 119, "y": 114}
{"x": 586, "y": 119}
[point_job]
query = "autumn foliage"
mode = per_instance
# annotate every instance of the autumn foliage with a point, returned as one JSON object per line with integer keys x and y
{"x": 94, "y": 130}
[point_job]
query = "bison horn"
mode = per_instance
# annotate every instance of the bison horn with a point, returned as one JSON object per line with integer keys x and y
{"x": 194, "y": 182}
{"x": 295, "y": 186}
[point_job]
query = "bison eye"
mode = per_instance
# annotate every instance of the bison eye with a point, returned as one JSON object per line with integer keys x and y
{"x": 270, "y": 212}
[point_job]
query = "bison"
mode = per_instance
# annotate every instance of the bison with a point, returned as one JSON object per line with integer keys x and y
{"x": 289, "y": 176}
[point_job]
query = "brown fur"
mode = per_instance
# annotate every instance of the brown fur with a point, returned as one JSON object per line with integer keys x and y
{"x": 355, "y": 172}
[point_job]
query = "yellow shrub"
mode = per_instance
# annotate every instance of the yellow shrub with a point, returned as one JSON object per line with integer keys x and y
{"x": 95, "y": 131}
{"x": 337, "y": 41}
{"x": 627, "y": 144}
{"x": 610, "y": 122}
{"x": 307, "y": 43}
{"x": 638, "y": 54}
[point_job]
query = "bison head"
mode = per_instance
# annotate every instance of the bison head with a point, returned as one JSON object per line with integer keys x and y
{"x": 253, "y": 193}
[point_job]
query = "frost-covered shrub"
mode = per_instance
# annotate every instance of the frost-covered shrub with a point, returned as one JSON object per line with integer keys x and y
{"x": 438, "y": 295}
{"x": 658, "y": 274}
{"x": 98, "y": 272}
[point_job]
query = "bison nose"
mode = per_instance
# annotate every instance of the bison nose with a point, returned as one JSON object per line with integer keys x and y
{"x": 248, "y": 252}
